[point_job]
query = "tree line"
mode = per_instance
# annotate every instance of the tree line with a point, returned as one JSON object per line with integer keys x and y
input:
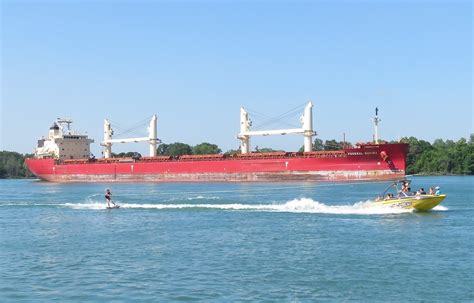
{"x": 437, "y": 158}
{"x": 12, "y": 165}
{"x": 440, "y": 157}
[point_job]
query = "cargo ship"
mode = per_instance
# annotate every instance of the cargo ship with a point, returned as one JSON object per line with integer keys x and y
{"x": 64, "y": 156}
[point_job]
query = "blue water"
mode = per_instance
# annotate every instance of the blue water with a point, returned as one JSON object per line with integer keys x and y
{"x": 275, "y": 242}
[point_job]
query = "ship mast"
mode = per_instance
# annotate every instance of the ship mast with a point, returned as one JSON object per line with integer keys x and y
{"x": 66, "y": 121}
{"x": 245, "y": 124}
{"x": 376, "y": 126}
{"x": 151, "y": 139}
{"x": 306, "y": 130}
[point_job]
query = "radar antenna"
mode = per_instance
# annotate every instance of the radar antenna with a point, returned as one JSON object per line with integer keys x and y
{"x": 376, "y": 125}
{"x": 67, "y": 121}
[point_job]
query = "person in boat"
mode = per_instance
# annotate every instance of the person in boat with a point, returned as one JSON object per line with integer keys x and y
{"x": 432, "y": 191}
{"x": 420, "y": 192}
{"x": 405, "y": 191}
{"x": 438, "y": 191}
{"x": 405, "y": 187}
{"x": 388, "y": 196}
{"x": 108, "y": 197}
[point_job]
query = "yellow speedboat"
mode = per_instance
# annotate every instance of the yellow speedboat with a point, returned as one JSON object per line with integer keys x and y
{"x": 420, "y": 202}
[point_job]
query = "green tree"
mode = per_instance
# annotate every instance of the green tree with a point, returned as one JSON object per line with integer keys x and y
{"x": 318, "y": 145}
{"x": 206, "y": 149}
{"x": 162, "y": 149}
{"x": 442, "y": 157}
{"x": 468, "y": 162}
{"x": 462, "y": 156}
{"x": 416, "y": 149}
{"x": 12, "y": 165}
{"x": 127, "y": 154}
{"x": 333, "y": 145}
{"x": 267, "y": 150}
{"x": 178, "y": 149}
{"x": 3, "y": 172}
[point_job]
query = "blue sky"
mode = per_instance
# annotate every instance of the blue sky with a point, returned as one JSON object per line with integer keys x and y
{"x": 195, "y": 63}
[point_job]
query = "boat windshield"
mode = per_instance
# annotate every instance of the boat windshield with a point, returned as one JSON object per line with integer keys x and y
{"x": 399, "y": 188}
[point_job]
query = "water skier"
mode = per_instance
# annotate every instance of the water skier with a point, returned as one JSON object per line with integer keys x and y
{"x": 108, "y": 197}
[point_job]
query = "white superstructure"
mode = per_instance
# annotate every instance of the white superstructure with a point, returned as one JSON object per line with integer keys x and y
{"x": 63, "y": 144}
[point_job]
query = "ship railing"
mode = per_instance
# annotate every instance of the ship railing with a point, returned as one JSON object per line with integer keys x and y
{"x": 155, "y": 159}
{"x": 269, "y": 155}
{"x": 370, "y": 144}
{"x": 325, "y": 154}
{"x": 126, "y": 160}
{"x": 201, "y": 157}
{"x": 76, "y": 161}
{"x": 102, "y": 160}
{"x": 106, "y": 160}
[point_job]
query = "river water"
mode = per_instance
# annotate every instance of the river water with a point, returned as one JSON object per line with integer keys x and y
{"x": 220, "y": 242}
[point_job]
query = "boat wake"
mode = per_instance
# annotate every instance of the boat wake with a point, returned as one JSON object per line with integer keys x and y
{"x": 203, "y": 198}
{"x": 440, "y": 208}
{"x": 303, "y": 205}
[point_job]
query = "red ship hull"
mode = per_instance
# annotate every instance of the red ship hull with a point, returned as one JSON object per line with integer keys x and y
{"x": 368, "y": 162}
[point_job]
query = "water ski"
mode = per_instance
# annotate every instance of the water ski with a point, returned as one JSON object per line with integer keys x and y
{"x": 114, "y": 206}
